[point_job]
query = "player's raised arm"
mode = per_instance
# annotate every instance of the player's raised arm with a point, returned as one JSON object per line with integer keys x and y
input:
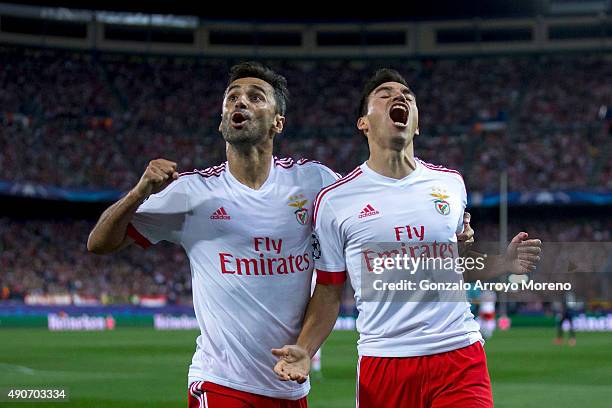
{"x": 522, "y": 256}
{"x": 110, "y": 232}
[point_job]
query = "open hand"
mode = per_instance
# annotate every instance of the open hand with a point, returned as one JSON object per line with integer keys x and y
{"x": 523, "y": 255}
{"x": 293, "y": 363}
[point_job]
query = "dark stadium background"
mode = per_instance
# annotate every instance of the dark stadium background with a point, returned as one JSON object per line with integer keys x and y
{"x": 81, "y": 113}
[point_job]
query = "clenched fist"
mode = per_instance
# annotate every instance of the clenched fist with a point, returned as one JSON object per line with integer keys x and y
{"x": 158, "y": 175}
{"x": 466, "y": 239}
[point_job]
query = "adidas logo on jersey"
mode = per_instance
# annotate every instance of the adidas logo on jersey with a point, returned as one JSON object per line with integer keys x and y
{"x": 220, "y": 214}
{"x": 368, "y": 211}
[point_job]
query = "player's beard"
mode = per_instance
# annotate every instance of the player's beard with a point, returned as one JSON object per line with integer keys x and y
{"x": 253, "y": 132}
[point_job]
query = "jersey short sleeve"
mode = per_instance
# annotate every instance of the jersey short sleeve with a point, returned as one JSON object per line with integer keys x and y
{"x": 162, "y": 216}
{"x": 330, "y": 262}
{"x": 328, "y": 176}
{"x": 323, "y": 175}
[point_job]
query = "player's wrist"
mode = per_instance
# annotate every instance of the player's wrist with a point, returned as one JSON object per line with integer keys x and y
{"x": 138, "y": 194}
{"x": 306, "y": 348}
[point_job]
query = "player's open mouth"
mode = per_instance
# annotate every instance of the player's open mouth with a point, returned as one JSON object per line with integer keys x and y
{"x": 239, "y": 119}
{"x": 399, "y": 114}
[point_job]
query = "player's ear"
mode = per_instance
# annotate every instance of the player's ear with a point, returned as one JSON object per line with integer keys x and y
{"x": 362, "y": 124}
{"x": 279, "y": 123}
{"x": 417, "y": 131}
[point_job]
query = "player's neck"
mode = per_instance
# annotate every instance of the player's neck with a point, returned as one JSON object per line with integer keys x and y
{"x": 250, "y": 165}
{"x": 391, "y": 163}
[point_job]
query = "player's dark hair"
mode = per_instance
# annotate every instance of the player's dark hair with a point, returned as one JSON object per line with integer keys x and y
{"x": 380, "y": 77}
{"x": 252, "y": 69}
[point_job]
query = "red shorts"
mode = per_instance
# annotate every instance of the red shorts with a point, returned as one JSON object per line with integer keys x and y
{"x": 456, "y": 379}
{"x": 209, "y": 395}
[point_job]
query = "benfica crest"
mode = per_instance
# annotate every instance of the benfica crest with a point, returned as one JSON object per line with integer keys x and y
{"x": 301, "y": 213}
{"x": 442, "y": 206}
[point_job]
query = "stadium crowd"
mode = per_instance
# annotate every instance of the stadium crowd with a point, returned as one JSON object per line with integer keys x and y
{"x": 34, "y": 263}
{"x": 36, "y": 258}
{"x": 75, "y": 119}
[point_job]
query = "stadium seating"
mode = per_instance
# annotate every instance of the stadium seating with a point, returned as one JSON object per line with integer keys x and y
{"x": 76, "y": 119}
{"x": 33, "y": 262}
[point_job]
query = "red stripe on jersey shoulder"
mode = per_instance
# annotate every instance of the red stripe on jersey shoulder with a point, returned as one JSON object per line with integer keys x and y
{"x": 286, "y": 162}
{"x": 140, "y": 239}
{"x": 304, "y": 161}
{"x": 349, "y": 177}
{"x": 208, "y": 172}
{"x": 439, "y": 168}
{"x": 331, "y": 278}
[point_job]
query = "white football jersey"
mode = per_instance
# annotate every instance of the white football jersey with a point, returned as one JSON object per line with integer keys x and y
{"x": 251, "y": 262}
{"x": 365, "y": 207}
